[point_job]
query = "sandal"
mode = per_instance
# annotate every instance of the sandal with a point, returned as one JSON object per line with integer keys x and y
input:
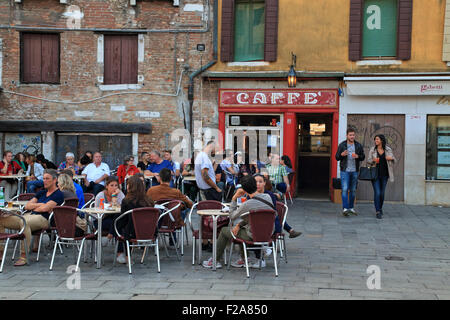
{"x": 20, "y": 262}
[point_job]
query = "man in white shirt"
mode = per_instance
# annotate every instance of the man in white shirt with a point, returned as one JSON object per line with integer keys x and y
{"x": 95, "y": 174}
{"x": 205, "y": 175}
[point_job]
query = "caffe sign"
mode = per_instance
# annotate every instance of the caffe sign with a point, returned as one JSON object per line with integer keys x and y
{"x": 277, "y": 98}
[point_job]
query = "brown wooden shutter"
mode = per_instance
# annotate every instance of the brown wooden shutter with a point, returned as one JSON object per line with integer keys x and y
{"x": 50, "y": 58}
{"x": 355, "y": 32}
{"x": 227, "y": 31}
{"x": 31, "y": 57}
{"x": 129, "y": 64}
{"x": 404, "y": 29}
{"x": 271, "y": 31}
{"x": 112, "y": 61}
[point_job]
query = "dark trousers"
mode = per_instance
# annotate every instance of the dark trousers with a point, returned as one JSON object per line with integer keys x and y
{"x": 94, "y": 188}
{"x": 379, "y": 187}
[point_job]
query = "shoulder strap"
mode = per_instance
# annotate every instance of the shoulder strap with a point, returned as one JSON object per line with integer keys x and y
{"x": 264, "y": 201}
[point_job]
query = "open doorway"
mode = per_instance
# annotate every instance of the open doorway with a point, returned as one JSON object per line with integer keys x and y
{"x": 314, "y": 152}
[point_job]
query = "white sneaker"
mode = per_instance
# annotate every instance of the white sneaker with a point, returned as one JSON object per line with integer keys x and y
{"x": 121, "y": 258}
{"x": 256, "y": 264}
{"x": 209, "y": 264}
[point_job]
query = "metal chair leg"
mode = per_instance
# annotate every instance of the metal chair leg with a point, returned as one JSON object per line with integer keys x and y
{"x": 231, "y": 253}
{"x": 176, "y": 249}
{"x": 79, "y": 254}
{"x": 129, "y": 257}
{"x": 157, "y": 255}
{"x": 275, "y": 259}
{"x": 14, "y": 252}
{"x": 193, "y": 250}
{"x": 39, "y": 246}
{"x": 246, "y": 262}
{"x": 4, "y": 254}
{"x": 54, "y": 252}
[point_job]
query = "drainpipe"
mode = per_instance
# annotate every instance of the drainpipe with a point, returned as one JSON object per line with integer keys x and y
{"x": 199, "y": 71}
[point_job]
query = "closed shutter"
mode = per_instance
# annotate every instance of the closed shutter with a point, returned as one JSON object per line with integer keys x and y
{"x": 113, "y": 61}
{"x": 50, "y": 58}
{"x": 121, "y": 59}
{"x": 271, "y": 31}
{"x": 129, "y": 72}
{"x": 355, "y": 32}
{"x": 227, "y": 38}
{"x": 404, "y": 29}
{"x": 40, "y": 58}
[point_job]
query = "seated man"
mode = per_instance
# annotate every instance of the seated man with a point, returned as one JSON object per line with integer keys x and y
{"x": 7, "y": 168}
{"x": 156, "y": 165}
{"x": 277, "y": 174}
{"x": 95, "y": 175}
{"x": 257, "y": 202}
{"x": 164, "y": 191}
{"x": 40, "y": 206}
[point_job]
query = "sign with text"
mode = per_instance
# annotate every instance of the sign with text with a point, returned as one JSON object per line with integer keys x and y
{"x": 277, "y": 98}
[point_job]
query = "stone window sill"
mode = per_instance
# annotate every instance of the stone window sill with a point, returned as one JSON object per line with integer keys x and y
{"x": 114, "y": 87}
{"x": 378, "y": 62}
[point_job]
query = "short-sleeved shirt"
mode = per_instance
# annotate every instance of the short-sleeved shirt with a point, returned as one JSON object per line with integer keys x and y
{"x": 277, "y": 173}
{"x": 226, "y": 165}
{"x": 42, "y": 197}
{"x": 202, "y": 161}
{"x": 351, "y": 165}
{"x": 156, "y": 168}
{"x": 63, "y": 166}
{"x": 93, "y": 172}
{"x": 141, "y": 165}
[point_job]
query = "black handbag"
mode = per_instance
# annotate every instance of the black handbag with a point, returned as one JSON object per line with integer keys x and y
{"x": 368, "y": 173}
{"x": 337, "y": 183}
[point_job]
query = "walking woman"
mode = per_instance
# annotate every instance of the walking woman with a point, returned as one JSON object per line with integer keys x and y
{"x": 383, "y": 157}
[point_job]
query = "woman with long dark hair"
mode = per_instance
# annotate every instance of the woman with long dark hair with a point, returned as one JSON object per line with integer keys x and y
{"x": 286, "y": 162}
{"x": 382, "y": 156}
{"x": 135, "y": 198}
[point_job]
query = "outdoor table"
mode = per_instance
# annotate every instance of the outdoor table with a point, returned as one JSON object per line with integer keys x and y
{"x": 19, "y": 178}
{"x": 99, "y": 213}
{"x": 187, "y": 178}
{"x": 78, "y": 178}
{"x": 215, "y": 213}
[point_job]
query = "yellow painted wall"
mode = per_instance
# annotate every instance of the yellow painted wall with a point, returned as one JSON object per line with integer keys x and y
{"x": 317, "y": 32}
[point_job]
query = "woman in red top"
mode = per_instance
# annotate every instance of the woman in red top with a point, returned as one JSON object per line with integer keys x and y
{"x": 127, "y": 169}
{"x": 7, "y": 168}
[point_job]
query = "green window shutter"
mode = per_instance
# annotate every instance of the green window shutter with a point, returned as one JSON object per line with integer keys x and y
{"x": 379, "y": 28}
{"x": 249, "y": 30}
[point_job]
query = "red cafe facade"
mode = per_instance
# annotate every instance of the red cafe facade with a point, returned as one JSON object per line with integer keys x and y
{"x": 299, "y": 123}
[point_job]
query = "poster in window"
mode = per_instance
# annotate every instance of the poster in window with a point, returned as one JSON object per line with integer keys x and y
{"x": 443, "y": 173}
{"x": 443, "y": 142}
{"x": 443, "y": 157}
{"x": 272, "y": 141}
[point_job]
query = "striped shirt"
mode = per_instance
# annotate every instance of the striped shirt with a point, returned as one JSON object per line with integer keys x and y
{"x": 276, "y": 174}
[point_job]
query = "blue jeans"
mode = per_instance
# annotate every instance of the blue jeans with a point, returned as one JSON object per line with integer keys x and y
{"x": 281, "y": 187}
{"x": 33, "y": 185}
{"x": 379, "y": 187}
{"x": 349, "y": 182}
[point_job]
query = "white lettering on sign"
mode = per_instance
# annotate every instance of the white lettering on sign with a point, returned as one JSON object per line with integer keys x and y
{"x": 261, "y": 97}
{"x": 239, "y": 99}
{"x": 276, "y": 96}
{"x": 291, "y": 96}
{"x": 374, "y": 21}
{"x": 309, "y": 96}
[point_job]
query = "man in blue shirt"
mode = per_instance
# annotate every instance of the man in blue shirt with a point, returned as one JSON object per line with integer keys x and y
{"x": 155, "y": 166}
{"x": 78, "y": 189}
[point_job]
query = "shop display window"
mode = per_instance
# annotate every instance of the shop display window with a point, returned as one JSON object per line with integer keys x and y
{"x": 438, "y": 147}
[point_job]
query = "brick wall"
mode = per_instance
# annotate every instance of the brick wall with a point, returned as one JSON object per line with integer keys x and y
{"x": 165, "y": 55}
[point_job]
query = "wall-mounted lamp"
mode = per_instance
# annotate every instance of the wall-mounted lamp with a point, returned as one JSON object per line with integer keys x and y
{"x": 292, "y": 75}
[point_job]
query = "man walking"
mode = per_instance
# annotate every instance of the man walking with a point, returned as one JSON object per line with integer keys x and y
{"x": 350, "y": 153}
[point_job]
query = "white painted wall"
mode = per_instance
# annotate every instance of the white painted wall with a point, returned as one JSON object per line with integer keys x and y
{"x": 415, "y": 109}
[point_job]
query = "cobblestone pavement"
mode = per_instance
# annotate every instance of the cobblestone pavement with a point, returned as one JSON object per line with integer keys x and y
{"x": 328, "y": 261}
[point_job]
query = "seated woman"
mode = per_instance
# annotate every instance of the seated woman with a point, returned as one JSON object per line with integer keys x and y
{"x": 35, "y": 174}
{"x": 127, "y": 169}
{"x": 136, "y": 198}
{"x": 265, "y": 186}
{"x": 286, "y": 162}
{"x": 19, "y": 159}
{"x": 83, "y": 162}
{"x": 69, "y": 164}
{"x": 111, "y": 195}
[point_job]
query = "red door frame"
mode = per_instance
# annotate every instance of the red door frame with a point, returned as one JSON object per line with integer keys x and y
{"x": 290, "y": 131}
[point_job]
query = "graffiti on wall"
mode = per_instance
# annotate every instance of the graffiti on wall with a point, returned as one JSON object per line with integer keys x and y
{"x": 23, "y": 142}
